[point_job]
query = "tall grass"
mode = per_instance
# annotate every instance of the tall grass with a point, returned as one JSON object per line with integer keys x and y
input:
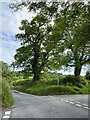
{"x": 7, "y": 99}
{"x": 47, "y": 85}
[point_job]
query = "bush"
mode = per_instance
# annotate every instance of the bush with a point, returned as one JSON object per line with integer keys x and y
{"x": 69, "y": 79}
{"x": 47, "y": 85}
{"x": 87, "y": 76}
{"x": 72, "y": 80}
{"x": 7, "y": 99}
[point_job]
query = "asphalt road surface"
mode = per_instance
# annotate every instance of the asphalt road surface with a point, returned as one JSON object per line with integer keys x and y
{"x": 58, "y": 106}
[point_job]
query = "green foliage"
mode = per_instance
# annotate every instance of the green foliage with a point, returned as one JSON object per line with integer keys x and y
{"x": 0, "y": 90}
{"x": 5, "y": 71}
{"x": 72, "y": 80}
{"x": 87, "y": 76}
{"x": 33, "y": 54}
{"x": 52, "y": 90}
{"x": 7, "y": 99}
{"x": 47, "y": 85}
{"x": 47, "y": 8}
{"x": 73, "y": 22}
{"x": 65, "y": 42}
{"x": 5, "y": 79}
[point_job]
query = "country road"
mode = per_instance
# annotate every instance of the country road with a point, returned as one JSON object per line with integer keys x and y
{"x": 58, "y": 106}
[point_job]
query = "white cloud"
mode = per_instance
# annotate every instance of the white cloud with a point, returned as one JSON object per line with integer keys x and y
{"x": 71, "y": 71}
{"x": 9, "y": 49}
{"x": 10, "y": 22}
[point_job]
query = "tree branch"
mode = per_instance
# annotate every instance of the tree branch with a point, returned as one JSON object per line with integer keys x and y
{"x": 82, "y": 54}
{"x": 70, "y": 65}
{"x": 88, "y": 60}
{"x": 38, "y": 33}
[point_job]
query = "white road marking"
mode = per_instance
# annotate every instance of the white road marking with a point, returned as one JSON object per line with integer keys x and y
{"x": 85, "y": 105}
{"x": 72, "y": 103}
{"x": 87, "y": 108}
{"x": 77, "y": 102}
{"x": 67, "y": 101}
{"x": 78, "y": 105}
{"x": 6, "y": 117}
{"x": 7, "y": 112}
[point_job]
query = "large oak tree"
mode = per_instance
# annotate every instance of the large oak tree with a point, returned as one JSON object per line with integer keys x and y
{"x": 36, "y": 45}
{"x": 33, "y": 54}
{"x": 73, "y": 49}
{"x": 70, "y": 33}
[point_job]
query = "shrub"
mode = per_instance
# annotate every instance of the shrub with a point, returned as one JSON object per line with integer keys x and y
{"x": 87, "y": 76}
{"x": 47, "y": 85}
{"x": 69, "y": 79}
{"x": 7, "y": 99}
{"x": 72, "y": 80}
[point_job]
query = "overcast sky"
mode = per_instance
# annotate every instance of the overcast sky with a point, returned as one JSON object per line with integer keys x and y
{"x": 10, "y": 21}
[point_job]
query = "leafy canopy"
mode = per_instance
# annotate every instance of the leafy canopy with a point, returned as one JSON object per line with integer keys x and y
{"x": 72, "y": 49}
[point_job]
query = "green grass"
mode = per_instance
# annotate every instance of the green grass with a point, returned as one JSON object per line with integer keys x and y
{"x": 47, "y": 85}
{"x": 7, "y": 99}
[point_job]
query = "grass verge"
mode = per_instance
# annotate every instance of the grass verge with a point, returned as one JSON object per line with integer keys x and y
{"x": 49, "y": 86}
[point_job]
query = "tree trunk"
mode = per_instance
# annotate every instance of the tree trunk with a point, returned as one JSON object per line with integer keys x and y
{"x": 35, "y": 66}
{"x": 77, "y": 71}
{"x": 36, "y": 77}
{"x": 78, "y": 65}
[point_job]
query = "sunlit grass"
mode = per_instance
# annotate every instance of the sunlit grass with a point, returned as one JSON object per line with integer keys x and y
{"x": 48, "y": 86}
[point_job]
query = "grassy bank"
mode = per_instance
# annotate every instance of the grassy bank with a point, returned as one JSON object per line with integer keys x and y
{"x": 48, "y": 85}
{"x": 7, "y": 99}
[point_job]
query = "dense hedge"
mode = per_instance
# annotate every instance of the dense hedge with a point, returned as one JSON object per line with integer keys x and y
{"x": 72, "y": 80}
{"x": 7, "y": 99}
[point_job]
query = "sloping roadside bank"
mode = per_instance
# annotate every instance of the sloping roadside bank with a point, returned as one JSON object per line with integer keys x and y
{"x": 49, "y": 86}
{"x": 7, "y": 99}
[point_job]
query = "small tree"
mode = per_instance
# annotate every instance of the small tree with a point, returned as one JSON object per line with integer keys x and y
{"x": 5, "y": 71}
